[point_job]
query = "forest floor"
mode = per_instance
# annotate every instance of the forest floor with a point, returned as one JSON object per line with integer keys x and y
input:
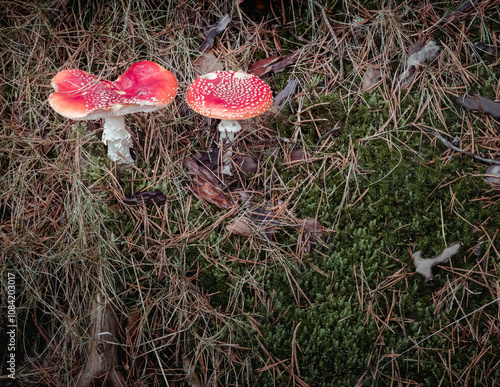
{"x": 302, "y": 268}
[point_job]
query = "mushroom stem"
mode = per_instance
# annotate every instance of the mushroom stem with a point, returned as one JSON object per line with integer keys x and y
{"x": 118, "y": 140}
{"x": 227, "y": 130}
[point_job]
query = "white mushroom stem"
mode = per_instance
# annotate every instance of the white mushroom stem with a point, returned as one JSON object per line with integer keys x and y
{"x": 118, "y": 140}
{"x": 227, "y": 129}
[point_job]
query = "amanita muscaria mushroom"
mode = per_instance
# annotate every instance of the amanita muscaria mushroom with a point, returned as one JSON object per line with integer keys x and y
{"x": 144, "y": 87}
{"x": 229, "y": 96}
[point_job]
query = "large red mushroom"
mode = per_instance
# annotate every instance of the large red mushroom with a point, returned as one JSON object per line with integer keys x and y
{"x": 229, "y": 96}
{"x": 144, "y": 87}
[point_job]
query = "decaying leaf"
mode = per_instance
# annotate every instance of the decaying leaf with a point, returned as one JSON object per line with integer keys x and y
{"x": 312, "y": 231}
{"x": 312, "y": 228}
{"x": 245, "y": 226}
{"x": 371, "y": 77}
{"x": 273, "y": 64}
{"x": 255, "y": 221}
{"x": 481, "y": 104}
{"x": 211, "y": 159}
{"x": 205, "y": 185}
{"x": 297, "y": 156}
{"x": 284, "y": 95}
{"x": 263, "y": 66}
{"x": 192, "y": 378}
{"x": 280, "y": 100}
{"x": 216, "y": 29}
{"x": 265, "y": 219}
{"x": 246, "y": 164}
{"x": 241, "y": 226}
{"x": 102, "y": 362}
{"x": 460, "y": 11}
{"x": 424, "y": 266}
{"x": 493, "y": 174}
{"x": 145, "y": 197}
{"x": 419, "y": 55}
{"x": 207, "y": 63}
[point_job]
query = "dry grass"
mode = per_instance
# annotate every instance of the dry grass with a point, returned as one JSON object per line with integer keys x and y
{"x": 67, "y": 235}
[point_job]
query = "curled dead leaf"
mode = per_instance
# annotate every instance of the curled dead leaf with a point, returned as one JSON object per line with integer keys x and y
{"x": 241, "y": 226}
{"x": 263, "y": 66}
{"x": 205, "y": 185}
{"x": 145, "y": 197}
{"x": 216, "y": 29}
{"x": 419, "y": 55}
{"x": 273, "y": 64}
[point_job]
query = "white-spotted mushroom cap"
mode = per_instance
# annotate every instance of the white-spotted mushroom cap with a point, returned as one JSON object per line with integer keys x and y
{"x": 144, "y": 87}
{"x": 229, "y": 95}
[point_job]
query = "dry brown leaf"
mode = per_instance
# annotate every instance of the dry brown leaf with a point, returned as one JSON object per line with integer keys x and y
{"x": 312, "y": 230}
{"x": 207, "y": 63}
{"x": 312, "y": 227}
{"x": 210, "y": 159}
{"x": 256, "y": 221}
{"x": 371, "y": 77}
{"x": 286, "y": 61}
{"x": 296, "y": 156}
{"x": 205, "y": 185}
{"x": 263, "y": 66}
{"x": 246, "y": 164}
{"x": 424, "y": 266}
{"x": 419, "y": 55}
{"x": 115, "y": 209}
{"x": 480, "y": 103}
{"x": 216, "y": 29}
{"x": 273, "y": 64}
{"x": 241, "y": 226}
{"x": 284, "y": 95}
{"x": 279, "y": 102}
{"x": 145, "y": 197}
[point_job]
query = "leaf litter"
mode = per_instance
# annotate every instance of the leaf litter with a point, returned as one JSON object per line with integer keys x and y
{"x": 255, "y": 220}
{"x": 419, "y": 56}
{"x": 480, "y": 104}
{"x": 145, "y": 197}
{"x": 206, "y": 186}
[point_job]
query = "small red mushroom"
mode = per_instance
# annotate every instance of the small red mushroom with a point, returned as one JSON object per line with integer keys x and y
{"x": 144, "y": 87}
{"x": 229, "y": 96}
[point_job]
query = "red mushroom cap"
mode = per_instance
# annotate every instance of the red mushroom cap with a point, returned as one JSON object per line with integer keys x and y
{"x": 229, "y": 95}
{"x": 145, "y": 86}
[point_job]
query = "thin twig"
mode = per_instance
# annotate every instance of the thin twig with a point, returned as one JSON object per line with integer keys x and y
{"x": 455, "y": 148}
{"x": 325, "y": 18}
{"x": 328, "y": 133}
